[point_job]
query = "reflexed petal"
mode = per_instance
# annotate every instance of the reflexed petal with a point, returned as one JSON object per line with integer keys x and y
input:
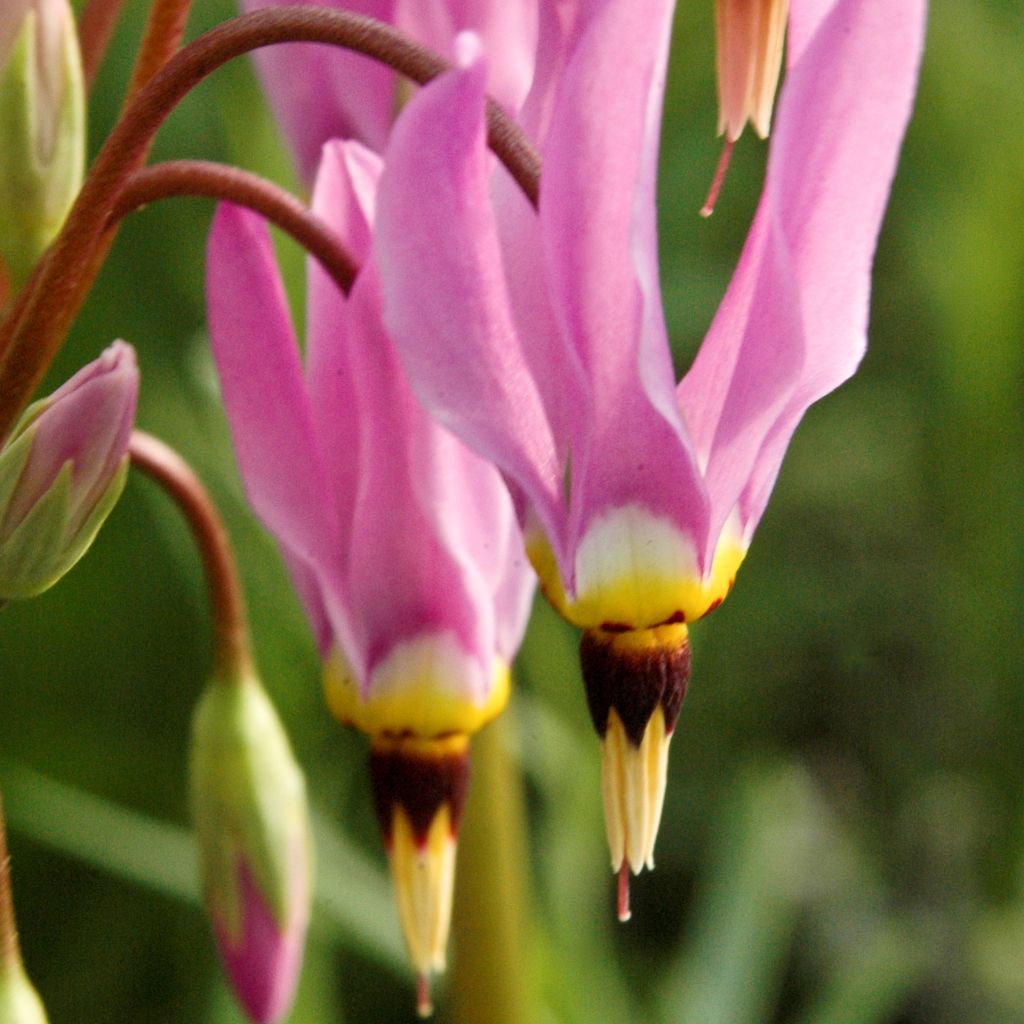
{"x": 792, "y": 326}
{"x": 324, "y": 92}
{"x": 402, "y": 575}
{"x": 600, "y": 250}
{"x": 508, "y": 31}
{"x": 261, "y": 382}
{"x": 449, "y": 313}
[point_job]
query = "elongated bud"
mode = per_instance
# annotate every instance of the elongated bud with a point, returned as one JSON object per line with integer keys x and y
{"x": 249, "y": 807}
{"x": 19, "y": 1001}
{"x": 419, "y": 789}
{"x": 63, "y": 470}
{"x": 42, "y": 127}
{"x": 635, "y": 682}
{"x": 750, "y": 40}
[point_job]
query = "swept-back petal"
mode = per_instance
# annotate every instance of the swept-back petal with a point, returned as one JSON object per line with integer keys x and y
{"x": 508, "y": 31}
{"x": 261, "y": 382}
{"x": 792, "y": 326}
{"x": 343, "y": 198}
{"x": 402, "y": 574}
{"x": 323, "y": 92}
{"x": 597, "y": 212}
{"x": 445, "y": 301}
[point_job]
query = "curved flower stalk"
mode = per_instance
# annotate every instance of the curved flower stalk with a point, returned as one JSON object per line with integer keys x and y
{"x": 402, "y": 543}
{"x": 62, "y": 471}
{"x": 319, "y": 94}
{"x": 540, "y": 340}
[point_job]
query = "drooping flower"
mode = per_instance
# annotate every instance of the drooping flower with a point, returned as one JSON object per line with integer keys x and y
{"x": 321, "y": 93}
{"x": 62, "y": 471}
{"x": 252, "y": 821}
{"x": 402, "y": 543}
{"x": 539, "y": 337}
{"x": 42, "y": 129}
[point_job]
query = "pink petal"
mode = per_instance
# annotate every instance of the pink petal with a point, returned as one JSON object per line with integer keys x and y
{"x": 262, "y": 386}
{"x": 508, "y": 31}
{"x": 792, "y": 326}
{"x": 325, "y": 92}
{"x": 264, "y": 964}
{"x": 446, "y": 304}
{"x": 412, "y": 570}
{"x": 600, "y": 253}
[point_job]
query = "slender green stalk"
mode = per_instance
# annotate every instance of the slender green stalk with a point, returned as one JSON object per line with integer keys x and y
{"x": 491, "y": 979}
{"x": 10, "y": 954}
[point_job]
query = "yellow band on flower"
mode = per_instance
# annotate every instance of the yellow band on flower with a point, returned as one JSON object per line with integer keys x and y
{"x": 635, "y": 570}
{"x": 415, "y": 691}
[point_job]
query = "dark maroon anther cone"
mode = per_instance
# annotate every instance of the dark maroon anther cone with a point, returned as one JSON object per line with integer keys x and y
{"x": 419, "y": 782}
{"x": 634, "y": 678}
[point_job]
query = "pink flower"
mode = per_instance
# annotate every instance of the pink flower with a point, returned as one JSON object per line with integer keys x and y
{"x": 321, "y": 93}
{"x": 403, "y": 544}
{"x": 538, "y": 337}
{"x": 62, "y": 471}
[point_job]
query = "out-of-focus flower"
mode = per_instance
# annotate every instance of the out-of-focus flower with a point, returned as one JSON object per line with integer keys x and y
{"x": 402, "y": 543}
{"x": 249, "y": 807}
{"x": 19, "y": 1001}
{"x": 751, "y": 34}
{"x": 321, "y": 93}
{"x": 62, "y": 471}
{"x": 540, "y": 339}
{"x": 42, "y": 128}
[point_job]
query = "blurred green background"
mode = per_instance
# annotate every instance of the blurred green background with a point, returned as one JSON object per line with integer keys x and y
{"x": 842, "y": 839}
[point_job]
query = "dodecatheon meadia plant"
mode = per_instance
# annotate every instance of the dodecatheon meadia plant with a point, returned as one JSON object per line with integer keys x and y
{"x": 538, "y": 337}
{"x": 319, "y": 93}
{"x": 62, "y": 470}
{"x": 402, "y": 543}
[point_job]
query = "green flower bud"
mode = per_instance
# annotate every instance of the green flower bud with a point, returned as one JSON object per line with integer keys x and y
{"x": 42, "y": 128}
{"x": 249, "y": 807}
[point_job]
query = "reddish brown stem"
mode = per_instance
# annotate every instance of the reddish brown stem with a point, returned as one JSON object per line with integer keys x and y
{"x": 232, "y": 653}
{"x": 29, "y": 342}
{"x": 165, "y": 30}
{"x": 202, "y": 178}
{"x": 95, "y": 28}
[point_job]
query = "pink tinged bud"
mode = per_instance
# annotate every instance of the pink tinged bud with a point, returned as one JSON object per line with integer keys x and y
{"x": 249, "y": 807}
{"x": 62, "y": 471}
{"x": 263, "y": 960}
{"x": 42, "y": 128}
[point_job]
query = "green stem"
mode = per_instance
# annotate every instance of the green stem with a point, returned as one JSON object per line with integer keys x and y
{"x": 491, "y": 976}
{"x": 10, "y": 954}
{"x": 232, "y": 652}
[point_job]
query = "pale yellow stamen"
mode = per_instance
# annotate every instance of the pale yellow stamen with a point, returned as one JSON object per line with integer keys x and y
{"x": 423, "y": 873}
{"x": 633, "y": 790}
